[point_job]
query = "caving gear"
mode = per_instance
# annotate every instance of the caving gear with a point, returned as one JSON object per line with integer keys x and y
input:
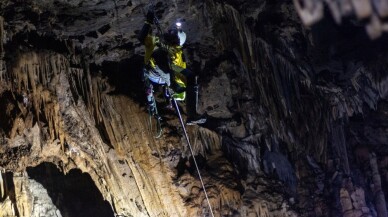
{"x": 154, "y": 117}
{"x": 175, "y": 37}
{"x": 194, "y": 118}
{"x": 181, "y": 33}
{"x": 165, "y": 65}
{"x": 171, "y": 37}
{"x": 178, "y": 70}
{"x": 178, "y": 24}
{"x": 158, "y": 76}
{"x": 164, "y": 59}
{"x": 182, "y": 37}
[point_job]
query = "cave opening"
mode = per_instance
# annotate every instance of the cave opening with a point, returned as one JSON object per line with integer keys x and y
{"x": 74, "y": 194}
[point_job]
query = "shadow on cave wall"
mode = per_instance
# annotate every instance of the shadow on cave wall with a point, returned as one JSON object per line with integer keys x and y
{"x": 74, "y": 194}
{"x": 125, "y": 76}
{"x": 8, "y": 112}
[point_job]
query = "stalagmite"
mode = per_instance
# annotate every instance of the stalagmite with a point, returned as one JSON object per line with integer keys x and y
{"x": 379, "y": 196}
{"x": 353, "y": 200}
{"x": 2, "y": 186}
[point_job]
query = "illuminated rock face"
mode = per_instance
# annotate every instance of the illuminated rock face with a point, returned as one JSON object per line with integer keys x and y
{"x": 297, "y": 117}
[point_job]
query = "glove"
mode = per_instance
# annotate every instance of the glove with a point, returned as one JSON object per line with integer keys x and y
{"x": 150, "y": 16}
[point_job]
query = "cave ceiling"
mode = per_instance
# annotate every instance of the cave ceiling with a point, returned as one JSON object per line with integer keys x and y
{"x": 295, "y": 93}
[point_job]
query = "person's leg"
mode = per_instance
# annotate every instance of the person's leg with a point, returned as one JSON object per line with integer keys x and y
{"x": 149, "y": 91}
{"x": 191, "y": 100}
{"x": 148, "y": 78}
{"x": 190, "y": 93}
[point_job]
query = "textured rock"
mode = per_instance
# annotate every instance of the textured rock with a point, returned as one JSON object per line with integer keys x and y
{"x": 294, "y": 111}
{"x": 32, "y": 199}
{"x": 372, "y": 11}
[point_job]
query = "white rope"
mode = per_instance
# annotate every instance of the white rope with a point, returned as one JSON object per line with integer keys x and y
{"x": 157, "y": 23}
{"x": 192, "y": 154}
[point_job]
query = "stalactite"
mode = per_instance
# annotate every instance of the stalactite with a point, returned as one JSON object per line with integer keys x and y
{"x": 228, "y": 198}
{"x": 2, "y": 54}
{"x": 339, "y": 145}
{"x": 275, "y": 162}
{"x": 2, "y": 187}
{"x": 262, "y": 209}
{"x": 372, "y": 10}
{"x": 206, "y": 139}
{"x": 379, "y": 196}
{"x": 36, "y": 75}
{"x": 1, "y": 37}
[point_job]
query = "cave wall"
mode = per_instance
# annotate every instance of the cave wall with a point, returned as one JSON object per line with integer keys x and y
{"x": 296, "y": 115}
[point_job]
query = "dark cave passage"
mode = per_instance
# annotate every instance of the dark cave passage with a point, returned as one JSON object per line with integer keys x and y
{"x": 125, "y": 76}
{"x": 74, "y": 194}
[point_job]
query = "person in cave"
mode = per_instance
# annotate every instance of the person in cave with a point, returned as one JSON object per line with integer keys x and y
{"x": 165, "y": 65}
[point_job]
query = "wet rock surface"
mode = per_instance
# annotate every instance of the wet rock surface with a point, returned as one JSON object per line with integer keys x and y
{"x": 297, "y": 115}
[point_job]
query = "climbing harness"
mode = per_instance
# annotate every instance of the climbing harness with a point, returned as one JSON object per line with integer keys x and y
{"x": 192, "y": 155}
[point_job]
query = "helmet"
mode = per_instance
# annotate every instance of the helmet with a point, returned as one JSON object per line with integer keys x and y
{"x": 175, "y": 35}
{"x": 182, "y": 37}
{"x": 181, "y": 33}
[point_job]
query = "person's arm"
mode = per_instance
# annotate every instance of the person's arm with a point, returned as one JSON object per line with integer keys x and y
{"x": 144, "y": 32}
{"x": 146, "y": 27}
{"x": 178, "y": 60}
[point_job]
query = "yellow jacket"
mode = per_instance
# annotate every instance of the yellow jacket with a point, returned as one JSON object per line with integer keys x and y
{"x": 175, "y": 55}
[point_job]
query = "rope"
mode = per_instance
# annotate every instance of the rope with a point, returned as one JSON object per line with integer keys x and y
{"x": 192, "y": 154}
{"x": 160, "y": 32}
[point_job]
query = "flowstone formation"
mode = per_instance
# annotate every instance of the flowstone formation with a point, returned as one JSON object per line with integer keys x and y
{"x": 297, "y": 115}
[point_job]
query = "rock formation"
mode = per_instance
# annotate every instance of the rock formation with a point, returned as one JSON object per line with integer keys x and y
{"x": 296, "y": 99}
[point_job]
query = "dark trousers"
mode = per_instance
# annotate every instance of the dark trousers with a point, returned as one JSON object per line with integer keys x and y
{"x": 191, "y": 93}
